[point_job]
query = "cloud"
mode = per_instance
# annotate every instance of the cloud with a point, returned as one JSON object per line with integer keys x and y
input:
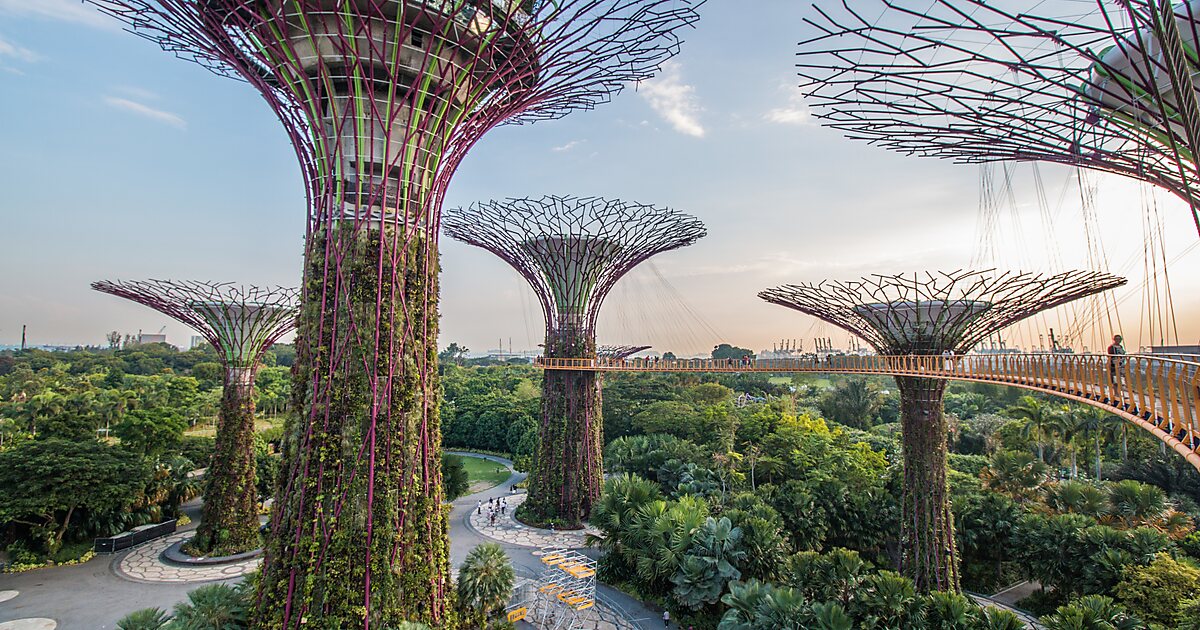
{"x": 146, "y": 111}
{"x": 674, "y": 100}
{"x": 567, "y": 147}
{"x": 16, "y": 51}
{"x": 63, "y": 10}
{"x": 794, "y": 113}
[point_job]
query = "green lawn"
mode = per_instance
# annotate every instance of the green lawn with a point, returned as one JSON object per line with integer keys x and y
{"x": 482, "y": 473}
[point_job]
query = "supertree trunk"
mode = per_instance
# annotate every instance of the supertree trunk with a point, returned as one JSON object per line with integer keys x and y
{"x": 229, "y": 524}
{"x": 929, "y": 556}
{"x": 360, "y": 532}
{"x": 568, "y": 471}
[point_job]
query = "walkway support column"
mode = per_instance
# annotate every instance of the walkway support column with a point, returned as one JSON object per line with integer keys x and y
{"x": 928, "y": 553}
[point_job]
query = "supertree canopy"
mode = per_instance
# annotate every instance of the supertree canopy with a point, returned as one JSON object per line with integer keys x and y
{"x": 572, "y": 251}
{"x": 241, "y": 323}
{"x": 928, "y": 314}
{"x": 382, "y": 99}
{"x": 618, "y": 352}
{"x": 1098, "y": 84}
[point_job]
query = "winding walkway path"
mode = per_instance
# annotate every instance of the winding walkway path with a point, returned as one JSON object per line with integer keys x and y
{"x": 97, "y": 593}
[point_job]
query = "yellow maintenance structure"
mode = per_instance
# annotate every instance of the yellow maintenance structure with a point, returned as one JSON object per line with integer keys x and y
{"x": 563, "y": 597}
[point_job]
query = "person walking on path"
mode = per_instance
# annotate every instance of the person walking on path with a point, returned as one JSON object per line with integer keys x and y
{"x": 666, "y": 618}
{"x": 1115, "y": 352}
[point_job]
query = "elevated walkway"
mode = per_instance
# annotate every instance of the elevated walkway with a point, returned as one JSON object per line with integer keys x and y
{"x": 1159, "y": 394}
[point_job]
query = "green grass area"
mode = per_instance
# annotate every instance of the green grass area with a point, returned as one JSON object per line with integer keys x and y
{"x": 209, "y": 429}
{"x": 483, "y": 474}
{"x": 819, "y": 382}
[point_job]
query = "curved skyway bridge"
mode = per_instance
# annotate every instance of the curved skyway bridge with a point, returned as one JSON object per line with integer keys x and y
{"x": 1160, "y": 394}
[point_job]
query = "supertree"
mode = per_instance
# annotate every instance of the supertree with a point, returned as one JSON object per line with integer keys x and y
{"x": 382, "y": 100}
{"x": 1100, "y": 84}
{"x": 928, "y": 314}
{"x": 241, "y": 323}
{"x": 572, "y": 250}
{"x": 616, "y": 353}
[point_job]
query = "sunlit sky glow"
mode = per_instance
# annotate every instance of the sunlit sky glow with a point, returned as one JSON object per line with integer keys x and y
{"x": 120, "y": 161}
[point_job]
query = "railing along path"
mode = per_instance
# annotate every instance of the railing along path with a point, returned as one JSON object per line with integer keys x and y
{"x": 1160, "y": 395}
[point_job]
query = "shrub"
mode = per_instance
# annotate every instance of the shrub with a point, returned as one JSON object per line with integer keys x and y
{"x": 1091, "y": 611}
{"x": 1157, "y": 591}
{"x": 144, "y": 619}
{"x": 211, "y": 607}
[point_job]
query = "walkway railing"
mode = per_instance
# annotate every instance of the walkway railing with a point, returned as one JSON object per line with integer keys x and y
{"x": 1160, "y": 395}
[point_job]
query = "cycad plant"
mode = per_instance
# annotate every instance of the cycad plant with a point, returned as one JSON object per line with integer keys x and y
{"x": 144, "y": 619}
{"x": 1077, "y": 497}
{"x": 485, "y": 582}
{"x": 1091, "y": 611}
{"x": 211, "y": 607}
{"x": 1136, "y": 503}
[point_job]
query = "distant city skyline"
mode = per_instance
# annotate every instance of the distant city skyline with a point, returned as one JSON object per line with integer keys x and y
{"x": 141, "y": 165}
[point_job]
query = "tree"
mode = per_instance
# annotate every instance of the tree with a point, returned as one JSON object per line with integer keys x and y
{"x": 43, "y": 405}
{"x": 485, "y": 582}
{"x": 47, "y": 481}
{"x": 855, "y": 402}
{"x": 726, "y": 351}
{"x": 1014, "y": 474}
{"x": 453, "y": 353}
{"x": 1038, "y": 417}
{"x": 455, "y": 481}
{"x": 150, "y": 433}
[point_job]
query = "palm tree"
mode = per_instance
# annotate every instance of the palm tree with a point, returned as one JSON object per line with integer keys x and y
{"x": 43, "y": 405}
{"x": 1089, "y": 421}
{"x": 1038, "y": 416}
{"x": 485, "y": 581}
{"x": 1067, "y": 425}
{"x": 1015, "y": 474}
{"x": 1137, "y": 503}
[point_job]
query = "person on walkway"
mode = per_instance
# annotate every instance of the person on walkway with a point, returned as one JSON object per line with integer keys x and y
{"x": 1115, "y": 351}
{"x": 479, "y": 507}
{"x": 666, "y": 618}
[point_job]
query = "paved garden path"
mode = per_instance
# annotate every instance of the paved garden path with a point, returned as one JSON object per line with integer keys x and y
{"x": 97, "y": 593}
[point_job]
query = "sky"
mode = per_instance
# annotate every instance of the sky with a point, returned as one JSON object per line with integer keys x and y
{"x": 119, "y": 161}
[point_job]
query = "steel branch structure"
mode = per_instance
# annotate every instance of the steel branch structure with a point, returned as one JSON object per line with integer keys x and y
{"x": 382, "y": 99}
{"x": 932, "y": 314}
{"x": 1098, "y": 84}
{"x": 571, "y": 250}
{"x": 241, "y": 323}
{"x": 617, "y": 353}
